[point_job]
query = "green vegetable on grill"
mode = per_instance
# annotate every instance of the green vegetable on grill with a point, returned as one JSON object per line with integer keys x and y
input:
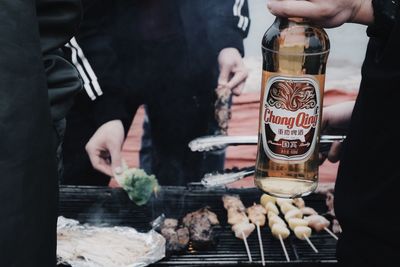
{"x": 139, "y": 185}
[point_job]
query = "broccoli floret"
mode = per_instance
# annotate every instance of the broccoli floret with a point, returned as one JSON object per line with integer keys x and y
{"x": 138, "y": 184}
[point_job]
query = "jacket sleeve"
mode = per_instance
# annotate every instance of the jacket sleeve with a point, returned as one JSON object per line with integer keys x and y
{"x": 93, "y": 54}
{"x": 58, "y": 22}
{"x": 228, "y": 23}
{"x": 386, "y": 12}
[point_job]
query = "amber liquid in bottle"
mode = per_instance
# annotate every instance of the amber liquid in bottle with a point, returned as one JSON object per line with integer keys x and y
{"x": 295, "y": 54}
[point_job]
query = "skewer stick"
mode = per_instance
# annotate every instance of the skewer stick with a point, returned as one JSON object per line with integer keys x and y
{"x": 284, "y": 249}
{"x": 261, "y": 245}
{"x": 331, "y": 233}
{"x": 310, "y": 243}
{"x": 247, "y": 247}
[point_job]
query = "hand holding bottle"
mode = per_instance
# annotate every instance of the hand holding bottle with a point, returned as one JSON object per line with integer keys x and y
{"x": 326, "y": 13}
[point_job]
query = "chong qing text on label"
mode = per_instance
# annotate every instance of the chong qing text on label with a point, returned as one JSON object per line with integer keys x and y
{"x": 291, "y": 117}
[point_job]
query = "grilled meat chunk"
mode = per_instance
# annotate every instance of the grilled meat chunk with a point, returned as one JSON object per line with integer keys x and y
{"x": 201, "y": 224}
{"x": 176, "y": 239}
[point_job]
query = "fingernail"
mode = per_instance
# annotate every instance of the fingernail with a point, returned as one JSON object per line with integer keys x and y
{"x": 118, "y": 170}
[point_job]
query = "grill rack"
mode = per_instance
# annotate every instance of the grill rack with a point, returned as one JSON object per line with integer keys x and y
{"x": 108, "y": 206}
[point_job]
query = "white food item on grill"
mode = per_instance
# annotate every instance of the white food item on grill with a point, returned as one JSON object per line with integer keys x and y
{"x": 285, "y": 207}
{"x": 271, "y": 214}
{"x": 317, "y": 222}
{"x": 236, "y": 217}
{"x": 256, "y": 208}
{"x": 258, "y": 219}
{"x": 276, "y": 220}
{"x": 308, "y": 211}
{"x": 280, "y": 201}
{"x": 271, "y": 207}
{"x": 245, "y": 228}
{"x": 301, "y": 232}
{"x": 233, "y": 201}
{"x": 256, "y": 214}
{"x": 280, "y": 230}
{"x": 265, "y": 198}
{"x": 299, "y": 202}
{"x": 294, "y": 222}
{"x": 296, "y": 213}
{"x": 91, "y": 246}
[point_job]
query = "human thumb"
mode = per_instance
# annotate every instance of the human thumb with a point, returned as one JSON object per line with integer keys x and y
{"x": 224, "y": 74}
{"x": 116, "y": 160}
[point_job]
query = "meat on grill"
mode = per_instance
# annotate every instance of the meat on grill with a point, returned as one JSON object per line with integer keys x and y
{"x": 201, "y": 224}
{"x": 177, "y": 238}
{"x": 170, "y": 223}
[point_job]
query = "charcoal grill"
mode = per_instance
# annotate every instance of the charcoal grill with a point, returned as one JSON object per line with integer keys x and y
{"x": 108, "y": 206}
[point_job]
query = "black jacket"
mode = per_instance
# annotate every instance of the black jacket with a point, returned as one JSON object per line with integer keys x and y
{"x": 58, "y": 22}
{"x": 28, "y": 181}
{"x": 208, "y": 27}
{"x": 368, "y": 180}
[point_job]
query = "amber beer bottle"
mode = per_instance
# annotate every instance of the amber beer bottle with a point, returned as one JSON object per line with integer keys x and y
{"x": 295, "y": 54}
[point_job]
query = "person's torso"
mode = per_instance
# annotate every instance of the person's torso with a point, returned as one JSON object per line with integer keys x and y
{"x": 368, "y": 179}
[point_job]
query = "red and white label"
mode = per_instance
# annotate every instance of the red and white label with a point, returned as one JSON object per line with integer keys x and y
{"x": 290, "y": 117}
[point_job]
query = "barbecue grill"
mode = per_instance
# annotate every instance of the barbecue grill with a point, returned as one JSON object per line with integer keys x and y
{"x": 110, "y": 206}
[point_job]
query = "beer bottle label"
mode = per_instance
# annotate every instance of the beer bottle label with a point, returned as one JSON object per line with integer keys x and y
{"x": 290, "y": 117}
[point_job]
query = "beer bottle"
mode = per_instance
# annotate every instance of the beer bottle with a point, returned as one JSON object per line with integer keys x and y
{"x": 295, "y": 54}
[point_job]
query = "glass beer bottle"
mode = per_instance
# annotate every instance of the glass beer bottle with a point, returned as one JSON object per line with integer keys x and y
{"x": 295, "y": 54}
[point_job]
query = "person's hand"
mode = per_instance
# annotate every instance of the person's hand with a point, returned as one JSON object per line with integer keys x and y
{"x": 104, "y": 148}
{"x": 335, "y": 118}
{"x": 327, "y": 13}
{"x": 233, "y": 72}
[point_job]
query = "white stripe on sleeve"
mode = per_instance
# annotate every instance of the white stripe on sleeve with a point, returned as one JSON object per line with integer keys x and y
{"x": 241, "y": 17}
{"x": 86, "y": 81}
{"x": 246, "y": 23}
{"x": 87, "y": 67}
{"x": 235, "y": 7}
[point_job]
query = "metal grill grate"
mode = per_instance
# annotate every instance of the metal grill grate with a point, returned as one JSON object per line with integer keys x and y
{"x": 106, "y": 206}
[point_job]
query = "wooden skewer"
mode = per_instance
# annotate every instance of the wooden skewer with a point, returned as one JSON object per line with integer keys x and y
{"x": 284, "y": 249}
{"x": 261, "y": 245}
{"x": 310, "y": 243}
{"x": 331, "y": 233}
{"x": 247, "y": 247}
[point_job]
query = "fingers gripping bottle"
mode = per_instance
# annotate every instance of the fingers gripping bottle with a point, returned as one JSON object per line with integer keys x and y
{"x": 295, "y": 54}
